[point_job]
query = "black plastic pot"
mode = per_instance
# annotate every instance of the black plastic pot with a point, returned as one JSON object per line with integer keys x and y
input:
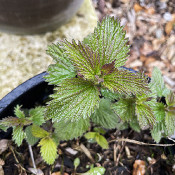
{"x": 35, "y": 16}
{"x": 28, "y": 94}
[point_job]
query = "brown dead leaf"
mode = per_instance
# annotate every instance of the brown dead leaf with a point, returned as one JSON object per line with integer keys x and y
{"x": 146, "y": 48}
{"x": 149, "y": 60}
{"x": 139, "y": 167}
{"x": 125, "y": 1}
{"x": 143, "y": 58}
{"x": 169, "y": 27}
{"x": 173, "y": 17}
{"x": 137, "y": 7}
{"x": 151, "y": 160}
{"x": 3, "y": 145}
{"x": 59, "y": 173}
{"x": 1, "y": 170}
{"x": 150, "y": 11}
{"x": 136, "y": 63}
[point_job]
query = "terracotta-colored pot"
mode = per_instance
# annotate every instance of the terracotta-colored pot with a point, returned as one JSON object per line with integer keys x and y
{"x": 35, "y": 16}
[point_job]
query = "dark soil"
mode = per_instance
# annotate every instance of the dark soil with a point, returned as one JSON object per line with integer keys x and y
{"x": 117, "y": 160}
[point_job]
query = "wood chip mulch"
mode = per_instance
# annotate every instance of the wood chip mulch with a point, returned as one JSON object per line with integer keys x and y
{"x": 150, "y": 26}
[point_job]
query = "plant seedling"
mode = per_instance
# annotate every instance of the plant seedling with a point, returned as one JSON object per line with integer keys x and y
{"x": 97, "y": 137}
{"x": 92, "y": 86}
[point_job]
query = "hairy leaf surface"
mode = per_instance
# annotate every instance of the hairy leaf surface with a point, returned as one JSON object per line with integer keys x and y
{"x": 134, "y": 125}
{"x": 4, "y": 128}
{"x": 63, "y": 68}
{"x": 37, "y": 115}
{"x": 29, "y": 136}
{"x": 67, "y": 130}
{"x": 157, "y": 83}
{"x": 104, "y": 116}
{"x": 106, "y": 93}
{"x": 48, "y": 150}
{"x": 125, "y": 108}
{"x": 156, "y": 132}
{"x": 124, "y": 81}
{"x": 84, "y": 59}
{"x": 18, "y": 112}
{"x": 145, "y": 115}
{"x": 75, "y": 99}
{"x": 159, "y": 111}
{"x": 109, "y": 41}
{"x": 14, "y": 121}
{"x": 18, "y": 135}
{"x": 39, "y": 132}
{"x": 170, "y": 99}
{"x": 170, "y": 122}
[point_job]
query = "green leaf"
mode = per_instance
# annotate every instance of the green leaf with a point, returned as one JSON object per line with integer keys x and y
{"x": 109, "y": 41}
{"x": 170, "y": 122}
{"x": 124, "y": 81}
{"x": 125, "y": 108}
{"x": 104, "y": 116}
{"x": 99, "y": 130}
{"x": 170, "y": 99}
{"x": 122, "y": 125}
{"x": 76, "y": 162}
{"x": 48, "y": 150}
{"x": 37, "y": 115}
{"x": 101, "y": 140}
{"x": 39, "y": 132}
{"x": 59, "y": 72}
{"x": 29, "y": 136}
{"x": 106, "y": 93}
{"x": 156, "y": 132}
{"x": 75, "y": 99}
{"x": 134, "y": 125}
{"x": 67, "y": 130}
{"x": 159, "y": 111}
{"x": 90, "y": 135}
{"x": 157, "y": 83}
{"x": 4, "y": 128}
{"x": 18, "y": 112}
{"x": 84, "y": 58}
{"x": 18, "y": 135}
{"x": 95, "y": 171}
{"x": 63, "y": 68}
{"x": 14, "y": 121}
{"x": 145, "y": 115}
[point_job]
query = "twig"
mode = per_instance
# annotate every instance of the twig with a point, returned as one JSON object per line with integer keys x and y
{"x": 120, "y": 152}
{"x": 140, "y": 143}
{"x": 116, "y": 148}
{"x": 17, "y": 159}
{"x": 87, "y": 152}
{"x": 171, "y": 139}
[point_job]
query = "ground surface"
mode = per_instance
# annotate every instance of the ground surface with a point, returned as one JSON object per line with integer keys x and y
{"x": 150, "y": 26}
{"x": 121, "y": 157}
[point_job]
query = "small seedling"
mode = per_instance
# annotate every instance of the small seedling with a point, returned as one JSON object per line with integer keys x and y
{"x": 97, "y": 137}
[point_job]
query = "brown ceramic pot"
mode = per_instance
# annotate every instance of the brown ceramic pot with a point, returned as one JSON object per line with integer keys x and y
{"x": 35, "y": 16}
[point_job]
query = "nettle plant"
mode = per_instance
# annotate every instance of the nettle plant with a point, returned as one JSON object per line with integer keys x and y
{"x": 93, "y": 89}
